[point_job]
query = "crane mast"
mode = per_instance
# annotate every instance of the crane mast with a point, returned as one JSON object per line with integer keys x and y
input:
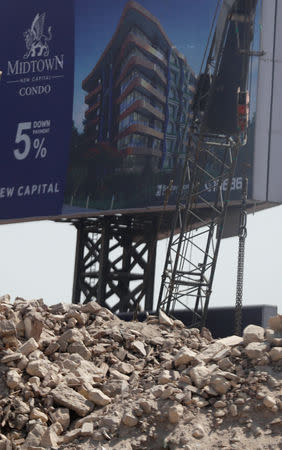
{"x": 216, "y": 133}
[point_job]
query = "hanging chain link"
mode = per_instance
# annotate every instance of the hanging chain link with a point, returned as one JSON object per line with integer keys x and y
{"x": 241, "y": 258}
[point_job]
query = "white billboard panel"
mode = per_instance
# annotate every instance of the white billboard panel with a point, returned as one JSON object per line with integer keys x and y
{"x": 268, "y": 135}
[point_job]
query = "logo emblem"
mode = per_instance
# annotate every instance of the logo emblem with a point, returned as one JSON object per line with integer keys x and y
{"x": 35, "y": 40}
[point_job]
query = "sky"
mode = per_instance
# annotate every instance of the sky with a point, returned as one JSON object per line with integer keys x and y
{"x": 37, "y": 261}
{"x": 37, "y": 258}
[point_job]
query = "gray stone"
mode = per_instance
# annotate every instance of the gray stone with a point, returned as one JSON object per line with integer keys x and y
{"x": 212, "y": 350}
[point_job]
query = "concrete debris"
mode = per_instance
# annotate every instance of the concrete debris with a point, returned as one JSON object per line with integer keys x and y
{"x": 75, "y": 376}
{"x": 253, "y": 333}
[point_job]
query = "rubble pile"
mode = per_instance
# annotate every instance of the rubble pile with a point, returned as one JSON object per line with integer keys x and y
{"x": 75, "y": 376}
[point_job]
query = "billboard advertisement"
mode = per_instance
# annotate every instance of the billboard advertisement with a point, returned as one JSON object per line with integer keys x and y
{"x": 36, "y": 92}
{"x": 94, "y": 101}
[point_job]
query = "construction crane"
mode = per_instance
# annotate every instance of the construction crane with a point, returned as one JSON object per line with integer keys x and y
{"x": 217, "y": 131}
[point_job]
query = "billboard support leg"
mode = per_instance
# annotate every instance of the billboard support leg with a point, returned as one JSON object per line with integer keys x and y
{"x": 115, "y": 262}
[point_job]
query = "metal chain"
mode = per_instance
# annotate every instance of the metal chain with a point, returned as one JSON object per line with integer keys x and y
{"x": 241, "y": 259}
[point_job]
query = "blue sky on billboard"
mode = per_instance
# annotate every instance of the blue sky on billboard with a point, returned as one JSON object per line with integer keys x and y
{"x": 186, "y": 23}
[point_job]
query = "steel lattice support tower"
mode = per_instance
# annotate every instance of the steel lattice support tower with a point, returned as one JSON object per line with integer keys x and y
{"x": 115, "y": 262}
{"x": 209, "y": 166}
{"x": 192, "y": 254}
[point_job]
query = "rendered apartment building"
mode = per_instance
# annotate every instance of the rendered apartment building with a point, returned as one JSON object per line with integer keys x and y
{"x": 139, "y": 94}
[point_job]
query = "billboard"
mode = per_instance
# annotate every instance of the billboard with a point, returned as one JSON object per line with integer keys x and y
{"x": 36, "y": 92}
{"x": 268, "y": 134}
{"x": 94, "y": 101}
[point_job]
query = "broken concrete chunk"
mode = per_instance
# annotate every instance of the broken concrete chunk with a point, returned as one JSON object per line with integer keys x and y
{"x": 200, "y": 375}
{"x": 253, "y": 333}
{"x": 61, "y": 415}
{"x": 276, "y": 353}
{"x": 98, "y": 397}
{"x": 275, "y": 322}
{"x": 175, "y": 413}
{"x": 28, "y": 347}
{"x": 129, "y": 419}
{"x": 164, "y": 319}
{"x": 7, "y": 328}
{"x": 184, "y": 356}
{"x": 231, "y": 341}
{"x": 91, "y": 307}
{"x": 13, "y": 378}
{"x": 38, "y": 368}
{"x": 68, "y": 397}
{"x": 33, "y": 325}
{"x": 256, "y": 350}
{"x": 220, "y": 384}
{"x": 79, "y": 347}
{"x": 138, "y": 346}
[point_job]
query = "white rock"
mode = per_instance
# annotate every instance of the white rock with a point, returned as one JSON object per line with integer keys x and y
{"x": 253, "y": 333}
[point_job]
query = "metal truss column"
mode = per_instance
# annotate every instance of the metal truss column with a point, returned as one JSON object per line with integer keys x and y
{"x": 80, "y": 243}
{"x": 103, "y": 262}
{"x": 115, "y": 262}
